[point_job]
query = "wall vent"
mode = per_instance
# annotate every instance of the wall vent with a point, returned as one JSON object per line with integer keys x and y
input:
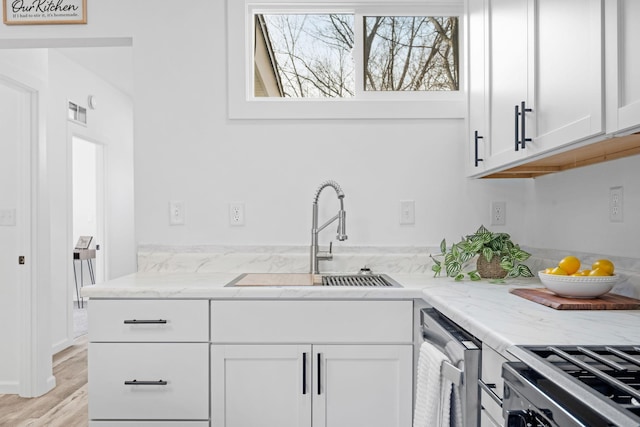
{"x": 77, "y": 113}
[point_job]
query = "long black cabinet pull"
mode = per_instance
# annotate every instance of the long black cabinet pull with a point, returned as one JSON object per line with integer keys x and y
{"x": 517, "y": 133}
{"x": 304, "y": 373}
{"x": 476, "y": 137}
{"x": 144, "y": 322}
{"x": 319, "y": 374}
{"x": 523, "y": 138}
{"x": 136, "y": 382}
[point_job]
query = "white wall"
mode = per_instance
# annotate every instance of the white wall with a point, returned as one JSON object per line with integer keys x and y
{"x": 186, "y": 149}
{"x": 570, "y": 210}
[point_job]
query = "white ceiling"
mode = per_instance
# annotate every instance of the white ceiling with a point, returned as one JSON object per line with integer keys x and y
{"x": 113, "y": 64}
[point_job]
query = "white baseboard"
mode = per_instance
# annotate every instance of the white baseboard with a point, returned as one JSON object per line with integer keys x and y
{"x": 9, "y": 387}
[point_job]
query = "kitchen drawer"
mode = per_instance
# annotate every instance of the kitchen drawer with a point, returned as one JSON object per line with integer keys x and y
{"x": 184, "y": 367}
{"x": 492, "y": 374}
{"x": 148, "y": 423}
{"x": 328, "y": 322}
{"x": 176, "y": 320}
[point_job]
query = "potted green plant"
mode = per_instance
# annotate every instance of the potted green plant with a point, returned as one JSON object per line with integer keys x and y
{"x": 497, "y": 257}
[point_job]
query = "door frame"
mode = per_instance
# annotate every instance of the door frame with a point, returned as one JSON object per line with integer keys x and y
{"x": 75, "y": 131}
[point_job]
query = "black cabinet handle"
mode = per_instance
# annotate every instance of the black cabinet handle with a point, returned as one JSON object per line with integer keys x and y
{"x": 523, "y": 138}
{"x": 319, "y": 374}
{"x": 144, "y": 322}
{"x": 304, "y": 373}
{"x": 476, "y": 137}
{"x": 517, "y": 133}
{"x": 136, "y": 382}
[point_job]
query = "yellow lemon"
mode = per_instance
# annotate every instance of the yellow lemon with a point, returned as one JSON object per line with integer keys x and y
{"x": 569, "y": 264}
{"x": 558, "y": 272}
{"x": 603, "y": 264}
{"x": 599, "y": 272}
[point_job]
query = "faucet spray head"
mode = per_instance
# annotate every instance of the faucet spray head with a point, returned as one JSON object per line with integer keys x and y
{"x": 342, "y": 225}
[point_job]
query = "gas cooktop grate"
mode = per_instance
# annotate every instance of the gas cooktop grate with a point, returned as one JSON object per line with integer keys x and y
{"x": 612, "y": 371}
{"x": 369, "y": 280}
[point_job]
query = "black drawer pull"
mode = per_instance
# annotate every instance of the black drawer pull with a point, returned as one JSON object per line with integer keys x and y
{"x": 304, "y": 373}
{"x": 136, "y": 382}
{"x": 144, "y": 322}
{"x": 319, "y": 375}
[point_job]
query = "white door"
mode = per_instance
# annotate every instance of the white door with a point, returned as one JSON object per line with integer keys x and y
{"x": 14, "y": 226}
{"x": 261, "y": 385}
{"x": 362, "y": 385}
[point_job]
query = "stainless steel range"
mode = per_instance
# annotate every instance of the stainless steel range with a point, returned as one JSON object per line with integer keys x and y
{"x": 572, "y": 386}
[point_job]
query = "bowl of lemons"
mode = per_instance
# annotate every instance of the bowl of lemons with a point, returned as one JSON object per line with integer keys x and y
{"x": 568, "y": 280}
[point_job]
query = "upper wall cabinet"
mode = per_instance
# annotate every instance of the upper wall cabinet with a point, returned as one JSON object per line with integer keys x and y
{"x": 622, "y": 65}
{"x": 536, "y": 78}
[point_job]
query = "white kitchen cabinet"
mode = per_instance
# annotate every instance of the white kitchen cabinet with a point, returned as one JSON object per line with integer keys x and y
{"x": 499, "y": 70}
{"x": 278, "y": 385}
{"x": 622, "y": 65}
{"x": 543, "y": 56}
{"x": 302, "y": 363}
{"x": 148, "y": 362}
{"x": 149, "y": 381}
{"x": 362, "y": 385}
{"x": 260, "y": 385}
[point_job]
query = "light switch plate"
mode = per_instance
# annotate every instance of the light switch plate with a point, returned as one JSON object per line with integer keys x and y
{"x": 407, "y": 212}
{"x": 176, "y": 213}
{"x": 7, "y": 217}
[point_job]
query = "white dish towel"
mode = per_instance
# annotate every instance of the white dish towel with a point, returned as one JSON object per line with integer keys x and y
{"x": 437, "y": 400}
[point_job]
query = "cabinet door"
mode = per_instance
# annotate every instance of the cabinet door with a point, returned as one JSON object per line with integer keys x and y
{"x": 507, "y": 71}
{"x": 623, "y": 65}
{"x": 260, "y": 385}
{"x": 569, "y": 85}
{"x": 362, "y": 385}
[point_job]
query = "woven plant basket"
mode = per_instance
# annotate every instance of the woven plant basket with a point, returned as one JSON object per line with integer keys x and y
{"x": 490, "y": 270}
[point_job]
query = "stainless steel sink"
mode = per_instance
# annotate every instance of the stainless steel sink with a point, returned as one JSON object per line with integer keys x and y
{"x": 367, "y": 280}
{"x": 307, "y": 279}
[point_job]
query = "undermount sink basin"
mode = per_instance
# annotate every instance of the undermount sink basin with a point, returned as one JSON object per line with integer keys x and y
{"x": 304, "y": 279}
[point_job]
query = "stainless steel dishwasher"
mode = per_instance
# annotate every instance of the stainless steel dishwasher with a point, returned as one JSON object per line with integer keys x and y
{"x": 464, "y": 351}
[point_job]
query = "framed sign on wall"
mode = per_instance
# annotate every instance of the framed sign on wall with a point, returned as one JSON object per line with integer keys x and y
{"x": 41, "y": 12}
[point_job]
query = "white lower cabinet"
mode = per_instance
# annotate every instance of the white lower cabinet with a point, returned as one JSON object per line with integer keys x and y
{"x": 311, "y": 385}
{"x": 148, "y": 363}
{"x": 149, "y": 381}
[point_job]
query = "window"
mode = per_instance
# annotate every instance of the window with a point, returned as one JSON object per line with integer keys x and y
{"x": 343, "y": 60}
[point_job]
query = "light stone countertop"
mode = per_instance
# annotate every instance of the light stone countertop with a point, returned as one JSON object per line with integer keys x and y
{"x": 488, "y": 311}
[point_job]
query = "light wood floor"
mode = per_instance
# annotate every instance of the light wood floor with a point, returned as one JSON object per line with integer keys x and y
{"x": 65, "y": 405}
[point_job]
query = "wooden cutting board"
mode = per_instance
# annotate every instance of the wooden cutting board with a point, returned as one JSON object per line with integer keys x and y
{"x": 605, "y": 302}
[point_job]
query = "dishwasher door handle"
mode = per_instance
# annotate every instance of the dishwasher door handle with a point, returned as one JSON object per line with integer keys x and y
{"x": 488, "y": 388}
{"x": 455, "y": 375}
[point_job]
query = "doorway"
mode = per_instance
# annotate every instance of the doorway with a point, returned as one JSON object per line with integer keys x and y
{"x": 88, "y": 217}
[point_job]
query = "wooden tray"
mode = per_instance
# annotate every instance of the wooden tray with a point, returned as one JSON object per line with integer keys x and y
{"x": 605, "y": 302}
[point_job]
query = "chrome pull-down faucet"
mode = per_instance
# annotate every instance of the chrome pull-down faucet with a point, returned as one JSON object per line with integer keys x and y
{"x": 316, "y": 253}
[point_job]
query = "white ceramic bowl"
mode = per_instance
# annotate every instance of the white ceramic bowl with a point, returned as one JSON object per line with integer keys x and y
{"x": 578, "y": 286}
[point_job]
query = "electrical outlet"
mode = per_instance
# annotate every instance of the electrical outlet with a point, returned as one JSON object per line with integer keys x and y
{"x": 407, "y": 212}
{"x": 615, "y": 204}
{"x": 236, "y": 213}
{"x": 176, "y": 213}
{"x": 498, "y": 213}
